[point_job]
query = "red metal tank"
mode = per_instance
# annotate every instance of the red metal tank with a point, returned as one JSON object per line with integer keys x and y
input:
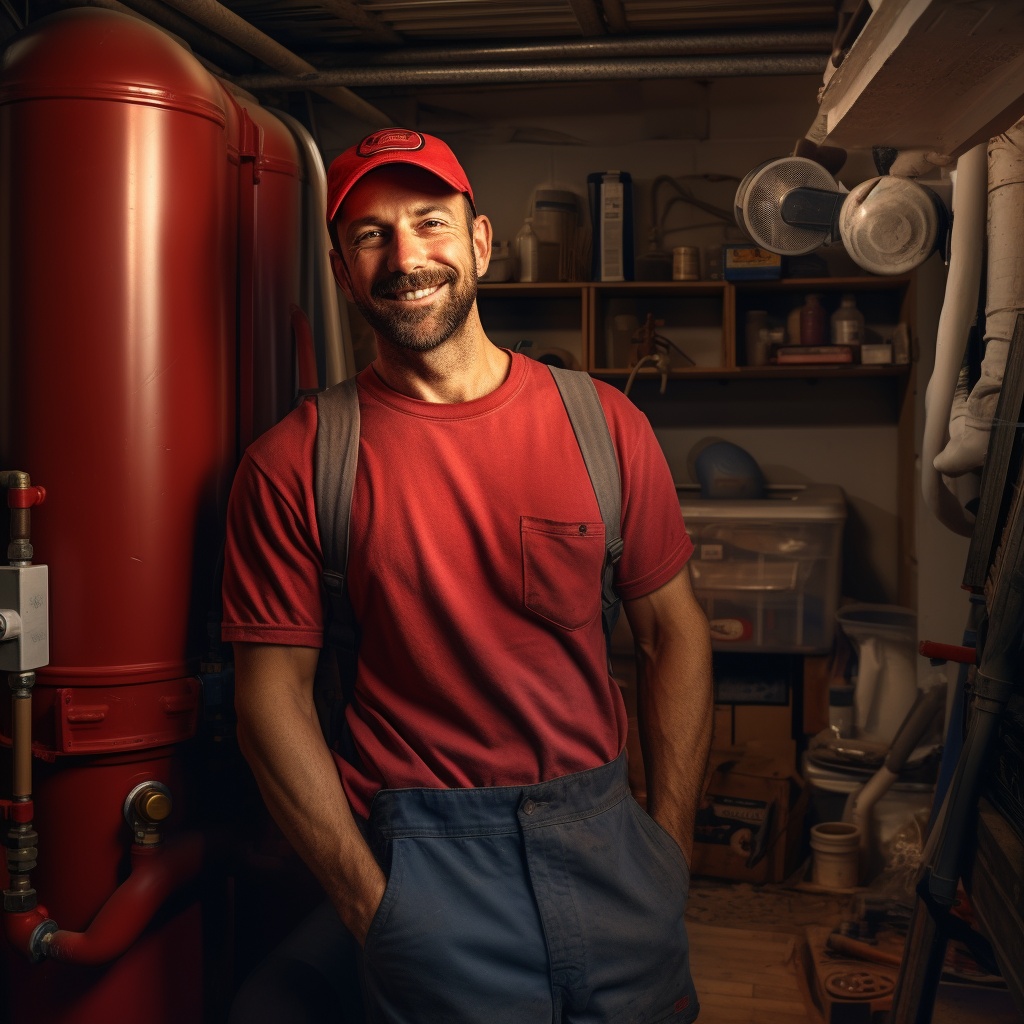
{"x": 270, "y": 248}
{"x": 117, "y": 381}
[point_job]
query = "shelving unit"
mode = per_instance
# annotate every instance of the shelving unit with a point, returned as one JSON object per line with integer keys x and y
{"x": 706, "y": 318}
{"x": 694, "y": 309}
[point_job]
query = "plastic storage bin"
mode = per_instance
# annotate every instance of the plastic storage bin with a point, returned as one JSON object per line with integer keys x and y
{"x": 767, "y": 571}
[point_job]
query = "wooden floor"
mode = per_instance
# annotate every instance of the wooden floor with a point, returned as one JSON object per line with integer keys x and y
{"x": 748, "y": 977}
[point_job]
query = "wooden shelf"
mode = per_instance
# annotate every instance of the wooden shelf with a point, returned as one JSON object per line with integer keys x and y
{"x": 763, "y": 372}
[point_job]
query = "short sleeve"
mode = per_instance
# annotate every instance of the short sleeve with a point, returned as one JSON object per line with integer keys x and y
{"x": 272, "y": 560}
{"x": 655, "y": 543}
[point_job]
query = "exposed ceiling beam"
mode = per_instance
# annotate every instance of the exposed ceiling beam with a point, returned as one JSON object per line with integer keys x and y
{"x": 217, "y": 18}
{"x": 668, "y": 45}
{"x": 615, "y": 15}
{"x": 518, "y": 72}
{"x": 354, "y": 16}
{"x": 587, "y": 14}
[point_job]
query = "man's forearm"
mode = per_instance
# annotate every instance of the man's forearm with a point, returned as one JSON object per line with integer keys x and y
{"x": 675, "y": 710}
{"x": 281, "y": 739}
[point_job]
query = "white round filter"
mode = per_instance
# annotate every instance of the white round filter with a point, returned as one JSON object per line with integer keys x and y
{"x": 759, "y": 202}
{"x": 889, "y": 225}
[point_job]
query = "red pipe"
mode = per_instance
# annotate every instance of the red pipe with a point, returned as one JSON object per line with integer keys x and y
{"x": 156, "y": 873}
{"x": 948, "y": 652}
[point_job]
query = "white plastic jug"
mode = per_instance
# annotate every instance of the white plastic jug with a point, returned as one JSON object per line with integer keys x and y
{"x": 886, "y": 685}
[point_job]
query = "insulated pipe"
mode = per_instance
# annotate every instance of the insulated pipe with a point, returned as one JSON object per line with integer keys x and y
{"x": 861, "y": 802}
{"x": 792, "y": 41}
{"x": 958, "y": 311}
{"x": 156, "y": 874}
{"x": 970, "y": 425}
{"x": 217, "y": 18}
{"x": 334, "y": 349}
{"x": 509, "y": 72}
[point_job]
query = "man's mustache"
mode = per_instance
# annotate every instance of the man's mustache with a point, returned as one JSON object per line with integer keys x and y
{"x": 413, "y": 282}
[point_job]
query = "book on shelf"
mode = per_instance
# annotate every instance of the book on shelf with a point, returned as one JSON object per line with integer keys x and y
{"x": 792, "y": 355}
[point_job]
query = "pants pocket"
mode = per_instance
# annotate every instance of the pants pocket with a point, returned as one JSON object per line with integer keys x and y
{"x": 662, "y": 841}
{"x": 562, "y": 563}
{"x": 388, "y": 900}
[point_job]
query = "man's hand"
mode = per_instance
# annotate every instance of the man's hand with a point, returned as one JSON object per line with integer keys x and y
{"x": 675, "y": 702}
{"x": 280, "y": 736}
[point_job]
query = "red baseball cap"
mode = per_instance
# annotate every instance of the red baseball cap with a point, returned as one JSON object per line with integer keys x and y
{"x": 392, "y": 146}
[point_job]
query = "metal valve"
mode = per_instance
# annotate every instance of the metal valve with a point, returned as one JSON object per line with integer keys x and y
{"x": 146, "y": 808}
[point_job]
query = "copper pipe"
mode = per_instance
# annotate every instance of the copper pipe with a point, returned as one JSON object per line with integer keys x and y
{"x": 21, "y": 748}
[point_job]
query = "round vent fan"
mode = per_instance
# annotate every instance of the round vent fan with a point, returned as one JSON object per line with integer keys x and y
{"x": 892, "y": 225}
{"x": 786, "y": 205}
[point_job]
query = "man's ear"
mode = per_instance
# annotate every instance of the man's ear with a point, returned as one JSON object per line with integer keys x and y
{"x": 341, "y": 273}
{"x": 482, "y": 236}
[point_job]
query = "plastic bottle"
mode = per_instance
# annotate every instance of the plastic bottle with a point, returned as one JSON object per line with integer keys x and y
{"x": 812, "y": 322}
{"x": 848, "y": 323}
{"x": 528, "y": 252}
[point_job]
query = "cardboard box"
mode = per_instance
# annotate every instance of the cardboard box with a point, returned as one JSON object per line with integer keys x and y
{"x": 768, "y": 726}
{"x": 750, "y": 818}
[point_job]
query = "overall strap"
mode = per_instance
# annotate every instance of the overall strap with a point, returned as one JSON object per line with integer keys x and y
{"x": 591, "y": 429}
{"x": 334, "y": 474}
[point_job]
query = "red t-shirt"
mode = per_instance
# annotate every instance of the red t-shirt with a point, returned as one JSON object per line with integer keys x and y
{"x": 474, "y": 571}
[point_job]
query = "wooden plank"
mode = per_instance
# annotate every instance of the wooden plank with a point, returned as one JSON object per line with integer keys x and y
{"x": 927, "y": 74}
{"x": 743, "y": 1003}
{"x": 716, "y": 987}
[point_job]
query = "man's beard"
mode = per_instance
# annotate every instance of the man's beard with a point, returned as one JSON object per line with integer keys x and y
{"x": 420, "y": 328}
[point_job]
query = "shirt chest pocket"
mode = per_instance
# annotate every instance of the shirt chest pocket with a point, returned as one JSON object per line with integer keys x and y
{"x": 562, "y": 563}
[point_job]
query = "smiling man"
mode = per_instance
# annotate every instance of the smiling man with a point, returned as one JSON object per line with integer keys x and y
{"x": 472, "y": 825}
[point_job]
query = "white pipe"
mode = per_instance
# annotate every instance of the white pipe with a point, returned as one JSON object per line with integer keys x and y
{"x": 971, "y": 423}
{"x": 859, "y": 805}
{"x": 334, "y": 348}
{"x": 958, "y": 311}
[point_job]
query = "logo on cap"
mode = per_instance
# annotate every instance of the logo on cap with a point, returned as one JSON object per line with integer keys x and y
{"x": 390, "y": 139}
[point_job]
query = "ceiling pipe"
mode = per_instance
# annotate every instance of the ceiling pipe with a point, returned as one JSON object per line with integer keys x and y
{"x": 774, "y": 41}
{"x": 217, "y": 18}
{"x": 738, "y": 66}
{"x": 589, "y": 17}
{"x": 232, "y": 58}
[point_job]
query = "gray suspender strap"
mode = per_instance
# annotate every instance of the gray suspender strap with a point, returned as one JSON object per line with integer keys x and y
{"x": 591, "y": 429}
{"x": 334, "y": 474}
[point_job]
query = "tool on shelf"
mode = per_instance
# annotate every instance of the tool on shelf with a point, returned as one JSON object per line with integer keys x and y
{"x": 651, "y": 347}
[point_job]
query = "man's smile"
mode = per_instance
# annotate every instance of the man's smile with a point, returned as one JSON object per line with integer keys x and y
{"x": 413, "y": 296}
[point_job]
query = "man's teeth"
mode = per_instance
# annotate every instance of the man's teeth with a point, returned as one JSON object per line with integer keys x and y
{"x": 418, "y": 294}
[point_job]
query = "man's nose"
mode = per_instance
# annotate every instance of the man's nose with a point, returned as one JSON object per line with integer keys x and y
{"x": 407, "y": 253}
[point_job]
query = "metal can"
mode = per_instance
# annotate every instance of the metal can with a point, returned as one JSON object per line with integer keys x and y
{"x": 686, "y": 263}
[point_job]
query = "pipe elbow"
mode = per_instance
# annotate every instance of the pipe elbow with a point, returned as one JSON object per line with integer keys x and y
{"x": 27, "y": 931}
{"x": 157, "y": 872}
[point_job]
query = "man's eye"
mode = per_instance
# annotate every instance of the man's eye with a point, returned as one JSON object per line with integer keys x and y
{"x": 433, "y": 223}
{"x": 368, "y": 236}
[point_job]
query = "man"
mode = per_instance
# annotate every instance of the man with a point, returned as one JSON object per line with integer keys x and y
{"x": 476, "y": 839}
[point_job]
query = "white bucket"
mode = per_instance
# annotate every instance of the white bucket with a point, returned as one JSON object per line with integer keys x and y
{"x": 836, "y": 849}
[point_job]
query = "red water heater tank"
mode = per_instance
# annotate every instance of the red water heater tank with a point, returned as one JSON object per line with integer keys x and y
{"x": 125, "y": 245}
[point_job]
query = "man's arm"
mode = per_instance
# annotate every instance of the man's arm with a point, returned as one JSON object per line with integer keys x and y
{"x": 280, "y": 736}
{"x": 674, "y": 702}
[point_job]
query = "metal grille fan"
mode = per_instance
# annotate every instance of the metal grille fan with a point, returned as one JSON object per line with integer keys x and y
{"x": 759, "y": 201}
